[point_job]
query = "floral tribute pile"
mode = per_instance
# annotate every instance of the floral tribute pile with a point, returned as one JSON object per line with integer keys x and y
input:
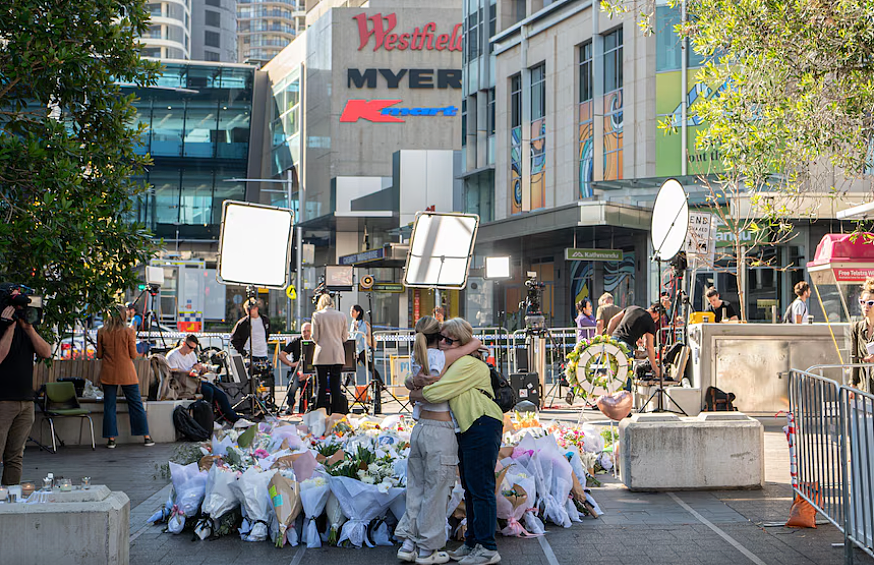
{"x": 341, "y": 481}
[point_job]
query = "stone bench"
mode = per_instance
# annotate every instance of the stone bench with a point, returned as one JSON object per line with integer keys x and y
{"x": 715, "y": 450}
{"x": 79, "y": 528}
{"x": 159, "y": 414}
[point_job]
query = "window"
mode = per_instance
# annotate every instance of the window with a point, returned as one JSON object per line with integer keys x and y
{"x": 211, "y": 56}
{"x": 150, "y": 51}
{"x": 471, "y": 38}
{"x": 538, "y": 92}
{"x": 216, "y": 3}
{"x": 515, "y": 101}
{"x": 516, "y": 144}
{"x": 212, "y": 39}
{"x": 490, "y": 113}
{"x": 153, "y": 9}
{"x": 464, "y": 121}
{"x": 586, "y": 123}
{"x": 538, "y": 137}
{"x": 213, "y": 19}
{"x": 586, "y": 82}
{"x": 493, "y": 23}
{"x": 613, "y": 60}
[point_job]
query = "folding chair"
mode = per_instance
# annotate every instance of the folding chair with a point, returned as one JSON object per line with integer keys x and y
{"x": 60, "y": 402}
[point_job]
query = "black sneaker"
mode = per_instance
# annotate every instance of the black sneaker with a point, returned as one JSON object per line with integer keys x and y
{"x": 110, "y": 444}
{"x": 149, "y": 442}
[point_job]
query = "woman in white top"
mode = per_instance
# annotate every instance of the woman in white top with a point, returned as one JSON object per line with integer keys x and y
{"x": 433, "y": 454}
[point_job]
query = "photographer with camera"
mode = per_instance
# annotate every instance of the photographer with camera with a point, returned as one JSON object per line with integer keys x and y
{"x": 19, "y": 342}
{"x": 295, "y": 350}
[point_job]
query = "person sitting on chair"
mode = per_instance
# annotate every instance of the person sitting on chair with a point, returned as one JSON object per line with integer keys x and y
{"x": 295, "y": 350}
{"x": 184, "y": 364}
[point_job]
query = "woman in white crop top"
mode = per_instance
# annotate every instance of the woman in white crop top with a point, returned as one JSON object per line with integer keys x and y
{"x": 433, "y": 454}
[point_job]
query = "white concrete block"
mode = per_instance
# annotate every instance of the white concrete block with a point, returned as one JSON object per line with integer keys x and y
{"x": 72, "y": 533}
{"x": 711, "y": 451}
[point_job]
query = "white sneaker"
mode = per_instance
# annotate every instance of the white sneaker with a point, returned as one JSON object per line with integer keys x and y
{"x": 436, "y": 558}
{"x": 460, "y": 553}
{"x": 407, "y": 552}
{"x": 481, "y": 556}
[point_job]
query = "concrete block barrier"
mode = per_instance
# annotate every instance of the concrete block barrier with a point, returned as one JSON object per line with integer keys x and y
{"x": 85, "y": 532}
{"x": 709, "y": 452}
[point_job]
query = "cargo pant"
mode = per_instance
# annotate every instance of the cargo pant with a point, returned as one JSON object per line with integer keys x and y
{"x": 431, "y": 472}
{"x": 16, "y": 419}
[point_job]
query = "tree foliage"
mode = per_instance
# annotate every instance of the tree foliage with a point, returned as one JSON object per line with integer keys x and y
{"x": 67, "y": 160}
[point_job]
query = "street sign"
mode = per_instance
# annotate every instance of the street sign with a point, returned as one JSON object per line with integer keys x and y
{"x": 384, "y": 287}
{"x": 699, "y": 239}
{"x": 577, "y": 254}
{"x": 290, "y": 292}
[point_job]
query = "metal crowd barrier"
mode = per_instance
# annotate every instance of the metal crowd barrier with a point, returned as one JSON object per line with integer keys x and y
{"x": 834, "y": 443}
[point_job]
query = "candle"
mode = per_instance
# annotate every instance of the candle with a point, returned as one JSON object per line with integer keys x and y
{"x": 27, "y": 488}
{"x": 4, "y": 493}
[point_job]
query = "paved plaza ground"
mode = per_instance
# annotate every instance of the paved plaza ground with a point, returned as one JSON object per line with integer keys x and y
{"x": 688, "y": 528}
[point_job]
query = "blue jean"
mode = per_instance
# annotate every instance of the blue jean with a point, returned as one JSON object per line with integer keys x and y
{"x": 139, "y": 424}
{"x": 477, "y": 455}
{"x": 212, "y": 393}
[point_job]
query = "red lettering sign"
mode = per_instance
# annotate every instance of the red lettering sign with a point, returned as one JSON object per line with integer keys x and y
{"x": 422, "y": 38}
{"x": 368, "y": 110}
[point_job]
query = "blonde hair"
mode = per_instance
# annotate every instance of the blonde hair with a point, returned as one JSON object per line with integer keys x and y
{"x": 427, "y": 325}
{"x": 605, "y": 298}
{"x": 325, "y": 301}
{"x": 116, "y": 318}
{"x": 868, "y": 285}
{"x": 460, "y": 329}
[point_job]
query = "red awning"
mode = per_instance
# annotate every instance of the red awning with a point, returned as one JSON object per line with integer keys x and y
{"x": 844, "y": 248}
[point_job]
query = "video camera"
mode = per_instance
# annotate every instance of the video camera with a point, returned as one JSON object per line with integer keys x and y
{"x": 321, "y": 289}
{"x": 19, "y": 295}
{"x": 534, "y": 319}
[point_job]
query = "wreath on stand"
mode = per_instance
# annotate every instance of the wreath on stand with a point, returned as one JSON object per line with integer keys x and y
{"x": 597, "y": 366}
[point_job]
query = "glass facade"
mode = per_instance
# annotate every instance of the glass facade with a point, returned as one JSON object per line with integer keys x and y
{"x": 516, "y": 144}
{"x": 198, "y": 137}
{"x": 265, "y": 27}
{"x": 612, "y": 109}
{"x": 285, "y": 135}
{"x": 538, "y": 137}
{"x": 586, "y": 122}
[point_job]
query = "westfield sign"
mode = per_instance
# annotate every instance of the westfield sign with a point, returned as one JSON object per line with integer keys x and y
{"x": 381, "y": 29}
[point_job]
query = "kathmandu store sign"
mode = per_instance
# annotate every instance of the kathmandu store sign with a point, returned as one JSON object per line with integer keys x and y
{"x": 384, "y": 111}
{"x": 424, "y": 38}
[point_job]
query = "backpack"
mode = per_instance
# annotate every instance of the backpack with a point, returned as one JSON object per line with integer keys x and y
{"x": 188, "y": 426}
{"x": 787, "y": 316}
{"x": 202, "y": 413}
{"x": 716, "y": 400}
{"x": 502, "y": 392}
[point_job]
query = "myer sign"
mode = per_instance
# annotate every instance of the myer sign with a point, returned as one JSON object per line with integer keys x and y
{"x": 575, "y": 254}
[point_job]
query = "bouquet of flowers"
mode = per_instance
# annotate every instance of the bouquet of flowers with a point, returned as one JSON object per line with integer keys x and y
{"x": 313, "y": 496}
{"x": 251, "y": 489}
{"x": 189, "y": 485}
{"x": 362, "y": 502}
{"x": 218, "y": 501}
{"x": 336, "y": 518}
{"x": 285, "y": 497}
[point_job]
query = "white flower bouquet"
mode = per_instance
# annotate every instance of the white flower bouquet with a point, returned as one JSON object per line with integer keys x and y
{"x": 313, "y": 496}
{"x": 251, "y": 490}
{"x": 189, "y": 486}
{"x": 362, "y": 501}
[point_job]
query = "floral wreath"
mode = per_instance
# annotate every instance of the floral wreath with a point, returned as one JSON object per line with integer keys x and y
{"x": 589, "y": 352}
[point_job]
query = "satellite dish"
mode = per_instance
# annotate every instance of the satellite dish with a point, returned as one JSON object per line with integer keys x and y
{"x": 670, "y": 220}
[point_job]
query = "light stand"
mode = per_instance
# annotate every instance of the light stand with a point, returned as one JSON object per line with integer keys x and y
{"x": 497, "y": 269}
{"x": 668, "y": 239}
{"x": 150, "y": 317}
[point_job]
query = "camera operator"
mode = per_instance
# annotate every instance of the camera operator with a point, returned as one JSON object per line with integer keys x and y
{"x": 330, "y": 333}
{"x": 295, "y": 350}
{"x": 260, "y": 332}
{"x": 18, "y": 345}
{"x": 635, "y": 323}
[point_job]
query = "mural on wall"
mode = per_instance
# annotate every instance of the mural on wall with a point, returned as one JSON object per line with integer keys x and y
{"x": 587, "y": 149}
{"x": 669, "y": 150}
{"x": 619, "y": 279}
{"x": 538, "y": 164}
{"x": 581, "y": 281}
{"x": 516, "y": 170}
{"x": 613, "y": 135}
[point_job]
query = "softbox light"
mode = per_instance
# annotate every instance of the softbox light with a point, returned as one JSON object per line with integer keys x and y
{"x": 440, "y": 250}
{"x": 497, "y": 268}
{"x": 255, "y": 245}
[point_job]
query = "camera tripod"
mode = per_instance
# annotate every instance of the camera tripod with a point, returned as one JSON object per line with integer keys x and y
{"x": 150, "y": 317}
{"x": 258, "y": 406}
{"x": 377, "y": 384}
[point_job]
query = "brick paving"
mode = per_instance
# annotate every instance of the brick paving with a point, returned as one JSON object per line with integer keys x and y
{"x": 637, "y": 528}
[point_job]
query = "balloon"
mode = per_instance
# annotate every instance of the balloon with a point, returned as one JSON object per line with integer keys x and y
{"x": 616, "y": 406}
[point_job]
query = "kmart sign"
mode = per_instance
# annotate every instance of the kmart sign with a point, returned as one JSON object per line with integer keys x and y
{"x": 577, "y": 254}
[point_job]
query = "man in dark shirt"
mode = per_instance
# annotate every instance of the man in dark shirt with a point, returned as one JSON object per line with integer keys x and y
{"x": 634, "y": 323}
{"x": 722, "y": 309}
{"x": 19, "y": 342}
{"x": 294, "y": 348}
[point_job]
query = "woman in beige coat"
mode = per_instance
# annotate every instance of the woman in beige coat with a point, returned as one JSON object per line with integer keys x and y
{"x": 116, "y": 346}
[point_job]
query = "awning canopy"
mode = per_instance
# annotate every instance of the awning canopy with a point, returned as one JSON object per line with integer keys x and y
{"x": 843, "y": 259}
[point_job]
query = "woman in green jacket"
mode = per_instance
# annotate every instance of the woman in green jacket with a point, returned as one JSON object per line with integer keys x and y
{"x": 466, "y": 384}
